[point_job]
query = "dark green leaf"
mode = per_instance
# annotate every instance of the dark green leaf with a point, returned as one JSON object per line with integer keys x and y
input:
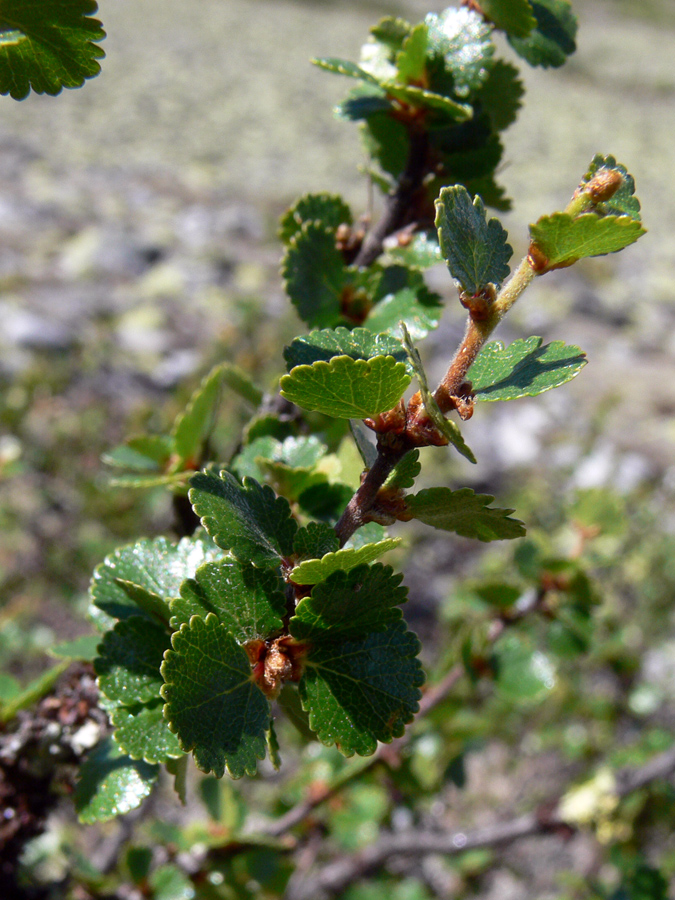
{"x": 192, "y": 428}
{"x": 360, "y": 343}
{"x": 325, "y": 501}
{"x": 313, "y": 571}
{"x": 498, "y": 594}
{"x": 129, "y": 659}
{"x": 562, "y": 239}
{"x": 145, "y": 453}
{"x": 476, "y": 249}
{"x": 386, "y": 140}
{"x": 212, "y": 704}
{"x": 347, "y": 388}
{"x": 247, "y": 519}
{"x": 111, "y": 784}
{"x": 465, "y": 513}
{"x": 405, "y": 472}
{"x": 344, "y": 67}
{"x": 523, "y": 674}
{"x": 364, "y": 101}
{"x": 142, "y": 732}
{"x": 412, "y": 58}
{"x": 623, "y": 201}
{"x": 416, "y": 307}
{"x": 512, "y": 16}
{"x": 391, "y": 31}
{"x": 315, "y": 274}
{"x": 327, "y": 210}
{"x": 360, "y": 692}
{"x": 524, "y": 368}
{"x": 314, "y": 540}
{"x": 350, "y": 604}
{"x": 147, "y": 601}
{"x": 553, "y": 38}
{"x": 463, "y": 38}
{"x": 500, "y": 96}
{"x": 156, "y": 565}
{"x": 421, "y": 252}
{"x": 250, "y": 602}
{"x": 47, "y": 45}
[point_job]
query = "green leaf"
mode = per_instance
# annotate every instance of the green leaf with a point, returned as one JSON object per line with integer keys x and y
{"x": 212, "y": 704}
{"x": 193, "y": 427}
{"x": 371, "y": 533}
{"x": 445, "y": 426}
{"x": 327, "y": 210}
{"x": 47, "y": 45}
{"x": 463, "y": 38}
{"x": 143, "y": 733}
{"x": 313, "y": 571}
{"x": 84, "y": 648}
{"x": 347, "y": 388}
{"x": 418, "y": 308}
{"x": 168, "y": 882}
{"x": 250, "y": 602}
{"x": 386, "y": 140}
{"x": 156, "y": 565}
{"x": 421, "y": 252}
{"x": 562, "y": 239}
{"x": 360, "y": 692}
{"x": 144, "y": 453}
{"x": 138, "y": 481}
{"x": 344, "y": 67}
{"x": 412, "y": 58}
{"x": 465, "y": 513}
{"x": 405, "y": 472}
{"x": 476, "y": 249}
{"x": 111, "y": 784}
{"x": 523, "y": 674}
{"x": 500, "y": 97}
{"x": 553, "y": 38}
{"x": 623, "y": 201}
{"x": 422, "y": 98}
{"x": 146, "y": 601}
{"x": 362, "y": 102}
{"x": 248, "y": 519}
{"x": 391, "y": 31}
{"x": 360, "y": 343}
{"x": 314, "y": 540}
{"x": 524, "y": 368}
{"x": 129, "y": 659}
{"x": 512, "y": 16}
{"x": 247, "y": 462}
{"x": 349, "y": 604}
{"x": 315, "y": 274}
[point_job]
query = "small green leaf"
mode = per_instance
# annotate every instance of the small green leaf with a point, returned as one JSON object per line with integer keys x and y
{"x": 463, "y": 39}
{"x": 386, "y": 140}
{"x": 418, "y": 308}
{"x": 84, "y": 648}
{"x": 250, "y": 602}
{"x": 360, "y": 692}
{"x": 500, "y": 97}
{"x": 273, "y": 747}
{"x": 360, "y": 343}
{"x": 248, "y": 519}
{"x": 498, "y": 594}
{"x": 347, "y": 388}
{"x": 193, "y": 427}
{"x": 445, "y": 426}
{"x": 344, "y": 67}
{"x": 157, "y": 565}
{"x": 129, "y": 659}
{"x": 623, "y": 201}
{"x": 144, "y": 453}
{"x": 553, "y": 38}
{"x": 312, "y": 571}
{"x": 391, "y": 31}
{"x": 246, "y": 462}
{"x": 371, "y": 533}
{"x": 48, "y": 45}
{"x": 512, "y": 16}
{"x": 147, "y": 601}
{"x": 422, "y": 98}
{"x": 476, "y": 249}
{"x": 137, "y": 482}
{"x": 524, "y": 368}
{"x": 562, "y": 239}
{"x": 142, "y": 732}
{"x": 523, "y": 674}
{"x": 315, "y": 274}
{"x": 314, "y": 540}
{"x": 362, "y": 102}
{"x": 168, "y": 882}
{"x": 349, "y": 604}
{"x": 111, "y": 784}
{"x": 328, "y": 210}
{"x": 405, "y": 472}
{"x": 465, "y": 513}
{"x": 212, "y": 704}
{"x": 421, "y": 252}
{"x": 412, "y": 58}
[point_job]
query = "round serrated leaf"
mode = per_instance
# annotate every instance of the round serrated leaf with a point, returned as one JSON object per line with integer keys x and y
{"x": 129, "y": 659}
{"x": 329, "y": 210}
{"x": 314, "y": 540}
{"x": 360, "y": 343}
{"x": 347, "y": 388}
{"x": 465, "y": 513}
{"x": 212, "y": 704}
{"x": 463, "y": 38}
{"x": 562, "y": 239}
{"x": 315, "y": 274}
{"x": 250, "y": 602}
{"x": 142, "y": 732}
{"x": 248, "y": 518}
{"x": 111, "y": 784}
{"x": 312, "y": 571}
{"x": 360, "y": 692}
{"x": 552, "y": 39}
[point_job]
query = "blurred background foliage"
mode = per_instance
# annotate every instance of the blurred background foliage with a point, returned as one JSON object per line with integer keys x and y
{"x": 137, "y": 248}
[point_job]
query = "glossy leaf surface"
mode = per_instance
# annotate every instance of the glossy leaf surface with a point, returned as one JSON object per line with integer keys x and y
{"x": 111, "y": 784}
{"x": 129, "y": 658}
{"x": 142, "y": 732}
{"x": 463, "y": 38}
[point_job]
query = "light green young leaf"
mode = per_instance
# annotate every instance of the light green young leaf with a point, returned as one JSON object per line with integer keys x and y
{"x": 476, "y": 249}
{"x": 347, "y": 388}
{"x": 350, "y": 604}
{"x": 194, "y": 425}
{"x": 83, "y": 649}
{"x": 418, "y": 308}
{"x": 47, "y": 45}
{"x": 142, "y": 732}
{"x": 463, "y": 38}
{"x": 445, "y": 426}
{"x": 250, "y": 602}
{"x": 359, "y": 343}
{"x": 144, "y": 453}
{"x": 312, "y": 571}
{"x": 360, "y": 692}
{"x": 552, "y": 39}
{"x": 129, "y": 658}
{"x": 523, "y": 674}
{"x": 169, "y": 882}
{"x": 623, "y": 201}
{"x": 412, "y": 58}
{"x": 111, "y": 784}
{"x": 344, "y": 67}
{"x": 315, "y": 274}
{"x": 392, "y": 32}
{"x": 329, "y": 210}
{"x": 212, "y": 704}
{"x": 562, "y": 239}
{"x": 248, "y": 519}
{"x": 512, "y": 16}
{"x": 524, "y": 368}
{"x": 465, "y": 513}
